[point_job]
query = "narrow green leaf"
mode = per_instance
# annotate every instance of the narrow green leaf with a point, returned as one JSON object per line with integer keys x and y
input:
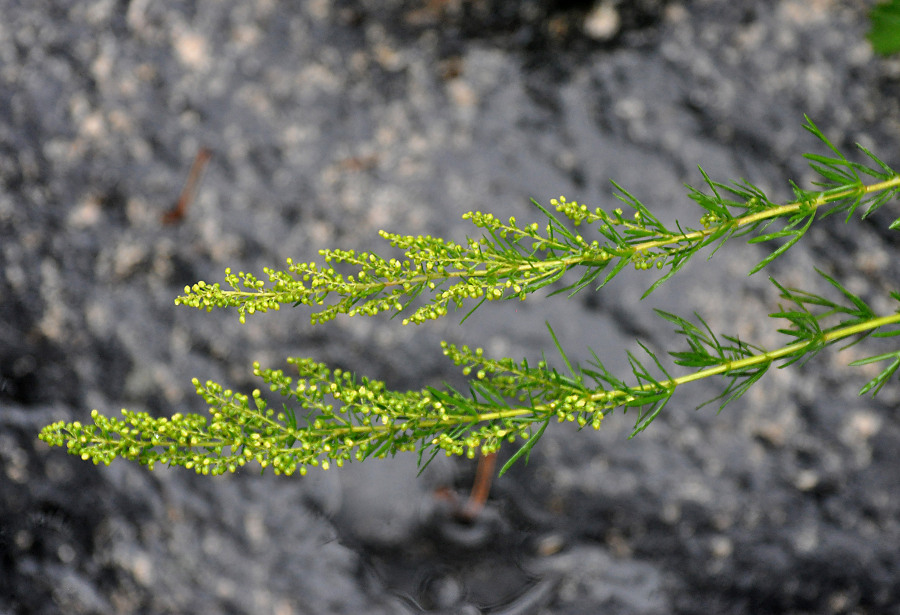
{"x": 784, "y": 248}
{"x": 555, "y": 223}
{"x": 787, "y": 232}
{"x": 876, "y": 202}
{"x": 811, "y": 127}
{"x": 423, "y": 466}
{"x": 744, "y": 386}
{"x": 861, "y": 305}
{"x": 635, "y": 203}
{"x": 875, "y": 359}
{"x": 888, "y": 171}
{"x": 874, "y": 385}
{"x": 470, "y": 312}
{"x": 674, "y": 268}
{"x": 655, "y": 360}
{"x": 562, "y": 353}
{"x": 589, "y": 276}
{"x": 616, "y": 270}
{"x": 525, "y": 450}
{"x": 645, "y": 419}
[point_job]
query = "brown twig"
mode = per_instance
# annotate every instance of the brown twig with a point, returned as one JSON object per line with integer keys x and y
{"x": 179, "y": 210}
{"x": 481, "y": 488}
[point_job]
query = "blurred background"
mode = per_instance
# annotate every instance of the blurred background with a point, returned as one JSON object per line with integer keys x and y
{"x": 327, "y": 121}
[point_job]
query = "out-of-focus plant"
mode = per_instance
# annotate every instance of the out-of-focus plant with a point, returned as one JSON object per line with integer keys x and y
{"x": 885, "y": 32}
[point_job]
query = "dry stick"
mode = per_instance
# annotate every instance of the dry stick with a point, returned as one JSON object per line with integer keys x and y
{"x": 178, "y": 211}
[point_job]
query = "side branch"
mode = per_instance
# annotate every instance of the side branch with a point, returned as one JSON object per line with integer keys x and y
{"x": 512, "y": 261}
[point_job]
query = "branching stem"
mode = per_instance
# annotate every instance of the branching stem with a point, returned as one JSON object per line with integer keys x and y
{"x": 347, "y": 417}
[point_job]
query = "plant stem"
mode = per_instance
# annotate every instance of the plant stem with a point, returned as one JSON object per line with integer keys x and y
{"x": 776, "y": 212}
{"x": 614, "y": 398}
{"x": 795, "y": 349}
{"x": 543, "y": 265}
{"x": 481, "y": 488}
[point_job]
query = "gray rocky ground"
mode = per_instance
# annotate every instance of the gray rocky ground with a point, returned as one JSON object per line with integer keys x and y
{"x": 329, "y": 121}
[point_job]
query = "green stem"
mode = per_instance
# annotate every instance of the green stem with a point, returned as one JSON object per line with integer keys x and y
{"x": 795, "y": 349}
{"x": 616, "y": 398}
{"x": 775, "y": 212}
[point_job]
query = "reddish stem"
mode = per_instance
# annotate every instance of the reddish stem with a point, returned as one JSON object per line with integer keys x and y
{"x": 484, "y": 476}
{"x": 179, "y": 210}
